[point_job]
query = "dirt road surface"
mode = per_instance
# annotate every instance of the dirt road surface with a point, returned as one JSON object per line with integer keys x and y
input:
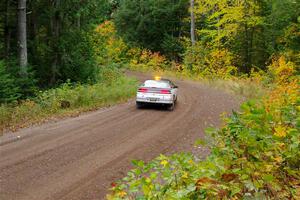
{"x": 78, "y": 158}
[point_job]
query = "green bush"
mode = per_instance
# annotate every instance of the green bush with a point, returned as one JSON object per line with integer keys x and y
{"x": 77, "y": 58}
{"x": 9, "y": 90}
{"x": 27, "y": 84}
{"x": 109, "y": 74}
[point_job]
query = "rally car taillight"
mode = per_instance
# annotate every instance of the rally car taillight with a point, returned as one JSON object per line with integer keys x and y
{"x": 165, "y": 92}
{"x": 142, "y": 90}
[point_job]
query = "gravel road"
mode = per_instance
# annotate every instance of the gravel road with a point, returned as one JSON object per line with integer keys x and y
{"x": 78, "y": 158}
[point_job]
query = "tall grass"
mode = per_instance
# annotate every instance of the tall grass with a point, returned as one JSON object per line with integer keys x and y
{"x": 241, "y": 87}
{"x": 66, "y": 100}
{"x": 245, "y": 87}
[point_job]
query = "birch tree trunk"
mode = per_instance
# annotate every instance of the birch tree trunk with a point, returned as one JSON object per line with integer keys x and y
{"x": 193, "y": 38}
{"x": 22, "y": 37}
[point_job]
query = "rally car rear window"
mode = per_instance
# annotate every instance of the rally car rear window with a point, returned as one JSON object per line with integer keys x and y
{"x": 156, "y": 84}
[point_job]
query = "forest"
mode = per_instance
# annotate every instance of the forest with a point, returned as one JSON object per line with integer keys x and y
{"x": 46, "y": 43}
{"x": 60, "y": 57}
{"x": 58, "y": 42}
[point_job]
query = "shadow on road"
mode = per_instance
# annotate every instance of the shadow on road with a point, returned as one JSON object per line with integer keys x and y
{"x": 157, "y": 107}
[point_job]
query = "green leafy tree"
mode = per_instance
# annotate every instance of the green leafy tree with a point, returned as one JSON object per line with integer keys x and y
{"x": 152, "y": 24}
{"x": 283, "y": 29}
{"x": 234, "y": 25}
{"x": 252, "y": 31}
{"x": 57, "y": 37}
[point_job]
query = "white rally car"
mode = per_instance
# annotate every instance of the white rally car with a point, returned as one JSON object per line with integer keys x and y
{"x": 158, "y": 91}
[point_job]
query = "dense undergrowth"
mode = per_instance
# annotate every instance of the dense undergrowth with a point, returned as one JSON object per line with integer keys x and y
{"x": 254, "y": 155}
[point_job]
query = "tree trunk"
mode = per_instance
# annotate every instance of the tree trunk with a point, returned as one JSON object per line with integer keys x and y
{"x": 193, "y": 38}
{"x": 22, "y": 37}
{"x": 55, "y": 29}
{"x": 246, "y": 46}
{"x": 7, "y": 31}
{"x": 79, "y": 22}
